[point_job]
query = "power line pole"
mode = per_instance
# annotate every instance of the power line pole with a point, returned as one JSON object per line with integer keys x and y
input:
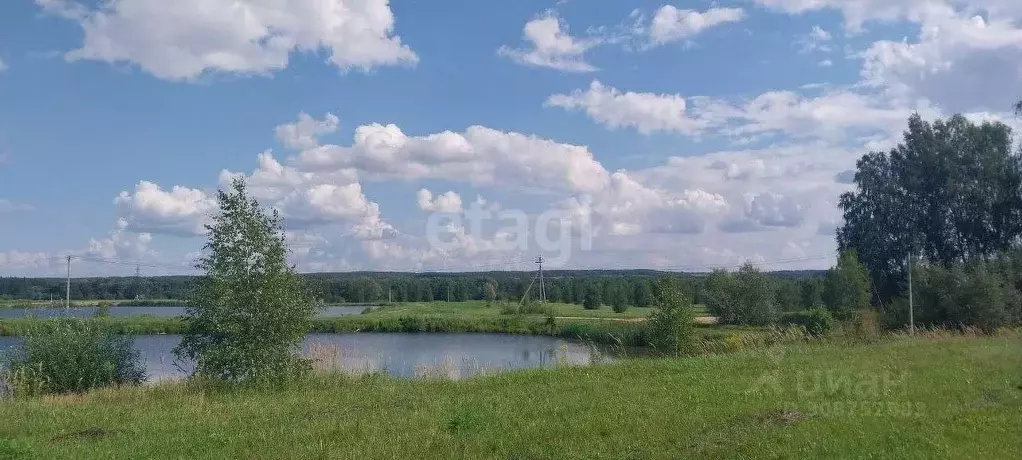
{"x": 67, "y": 304}
{"x": 542, "y": 288}
{"x": 911, "y": 313}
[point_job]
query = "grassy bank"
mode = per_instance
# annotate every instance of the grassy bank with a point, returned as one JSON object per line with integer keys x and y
{"x": 942, "y": 397}
{"x": 604, "y": 332}
{"x": 574, "y": 322}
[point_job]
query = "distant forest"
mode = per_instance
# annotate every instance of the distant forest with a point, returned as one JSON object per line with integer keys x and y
{"x": 568, "y": 286}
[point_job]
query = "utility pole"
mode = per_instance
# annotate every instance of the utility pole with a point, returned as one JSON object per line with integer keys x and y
{"x": 542, "y": 288}
{"x": 911, "y": 313}
{"x": 138, "y": 281}
{"x": 67, "y": 304}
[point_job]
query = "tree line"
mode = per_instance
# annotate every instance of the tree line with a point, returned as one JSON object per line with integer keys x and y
{"x": 795, "y": 289}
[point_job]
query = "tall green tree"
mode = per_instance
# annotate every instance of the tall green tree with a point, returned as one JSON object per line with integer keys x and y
{"x": 591, "y": 300}
{"x": 250, "y": 310}
{"x": 952, "y": 190}
{"x": 846, "y": 289}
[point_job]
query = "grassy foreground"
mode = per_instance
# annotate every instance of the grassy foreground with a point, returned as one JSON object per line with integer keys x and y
{"x": 938, "y": 397}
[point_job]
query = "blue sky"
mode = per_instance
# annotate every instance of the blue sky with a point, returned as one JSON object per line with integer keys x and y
{"x": 673, "y": 134}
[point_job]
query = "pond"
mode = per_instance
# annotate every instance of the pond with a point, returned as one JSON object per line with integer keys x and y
{"x": 448, "y": 355}
{"x": 81, "y": 312}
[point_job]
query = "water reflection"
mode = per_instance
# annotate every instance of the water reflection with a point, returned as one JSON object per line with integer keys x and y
{"x": 168, "y": 311}
{"x": 426, "y": 355}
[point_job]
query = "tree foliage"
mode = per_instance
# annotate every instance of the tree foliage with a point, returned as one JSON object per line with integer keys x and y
{"x": 592, "y": 298}
{"x": 250, "y": 310}
{"x": 950, "y": 192}
{"x": 670, "y": 325}
{"x": 846, "y": 289}
{"x": 743, "y": 297}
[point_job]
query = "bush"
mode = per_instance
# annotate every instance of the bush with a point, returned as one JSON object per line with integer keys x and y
{"x": 669, "y": 327}
{"x": 980, "y": 294}
{"x": 865, "y": 324}
{"x": 102, "y": 310}
{"x": 744, "y": 297}
{"x": 816, "y": 321}
{"x": 508, "y": 308}
{"x": 619, "y": 306}
{"x": 70, "y": 355}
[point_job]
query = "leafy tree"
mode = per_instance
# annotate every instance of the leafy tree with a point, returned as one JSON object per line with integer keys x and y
{"x": 250, "y": 310}
{"x": 490, "y": 291}
{"x": 720, "y": 293}
{"x": 787, "y": 295}
{"x": 619, "y": 303}
{"x": 846, "y": 289}
{"x": 670, "y": 328}
{"x": 951, "y": 191}
{"x": 743, "y": 297}
{"x": 811, "y": 293}
{"x": 643, "y": 294}
{"x": 592, "y": 298}
{"x": 755, "y": 295}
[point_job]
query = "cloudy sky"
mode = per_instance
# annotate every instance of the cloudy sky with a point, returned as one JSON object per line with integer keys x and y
{"x": 642, "y": 134}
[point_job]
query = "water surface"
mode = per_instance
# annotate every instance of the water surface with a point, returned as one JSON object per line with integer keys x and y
{"x": 450, "y": 355}
{"x": 167, "y": 311}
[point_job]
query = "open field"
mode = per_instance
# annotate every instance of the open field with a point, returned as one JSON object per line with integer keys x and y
{"x": 477, "y": 308}
{"x": 937, "y": 397}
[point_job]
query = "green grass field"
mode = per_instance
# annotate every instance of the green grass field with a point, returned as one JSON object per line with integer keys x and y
{"x": 478, "y": 309}
{"x": 941, "y": 397}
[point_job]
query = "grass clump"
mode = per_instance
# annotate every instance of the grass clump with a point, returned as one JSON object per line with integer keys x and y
{"x": 816, "y": 321}
{"x": 71, "y": 356}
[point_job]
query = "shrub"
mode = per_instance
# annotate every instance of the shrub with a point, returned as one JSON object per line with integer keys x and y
{"x": 102, "y": 310}
{"x": 816, "y": 321}
{"x": 865, "y": 324}
{"x": 70, "y": 355}
{"x": 533, "y": 307}
{"x": 743, "y": 297}
{"x": 250, "y": 310}
{"x": 508, "y": 308}
{"x": 979, "y": 294}
{"x": 669, "y": 327}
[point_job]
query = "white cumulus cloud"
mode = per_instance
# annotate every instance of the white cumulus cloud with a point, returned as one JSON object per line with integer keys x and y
{"x": 182, "y": 40}
{"x": 551, "y": 45}
{"x": 671, "y": 24}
